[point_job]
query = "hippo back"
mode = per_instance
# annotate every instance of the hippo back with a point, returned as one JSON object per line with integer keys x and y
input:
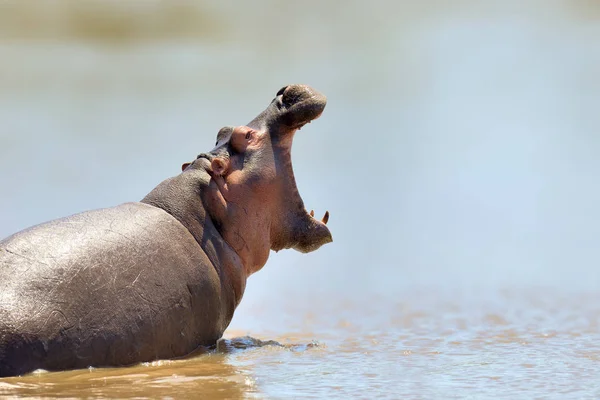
{"x": 113, "y": 286}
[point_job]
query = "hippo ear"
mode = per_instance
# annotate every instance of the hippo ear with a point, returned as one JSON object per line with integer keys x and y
{"x": 184, "y": 166}
{"x": 224, "y": 133}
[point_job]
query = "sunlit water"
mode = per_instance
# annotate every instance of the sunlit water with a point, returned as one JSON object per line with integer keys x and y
{"x": 458, "y": 156}
{"x": 416, "y": 344}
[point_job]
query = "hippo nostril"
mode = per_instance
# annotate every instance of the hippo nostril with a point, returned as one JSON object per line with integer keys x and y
{"x": 294, "y": 106}
{"x": 295, "y": 94}
{"x": 281, "y": 91}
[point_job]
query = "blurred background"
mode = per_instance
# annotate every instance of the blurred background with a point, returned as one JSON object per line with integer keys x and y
{"x": 458, "y": 156}
{"x": 458, "y": 151}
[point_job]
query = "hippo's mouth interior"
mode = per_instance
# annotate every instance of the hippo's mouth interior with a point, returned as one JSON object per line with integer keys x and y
{"x": 325, "y": 218}
{"x": 293, "y": 107}
{"x": 307, "y": 233}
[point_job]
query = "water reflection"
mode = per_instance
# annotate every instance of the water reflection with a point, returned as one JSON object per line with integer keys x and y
{"x": 216, "y": 373}
{"x": 401, "y": 346}
{"x": 209, "y": 375}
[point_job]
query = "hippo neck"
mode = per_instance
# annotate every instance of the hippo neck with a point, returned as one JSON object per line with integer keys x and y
{"x": 180, "y": 197}
{"x": 243, "y": 221}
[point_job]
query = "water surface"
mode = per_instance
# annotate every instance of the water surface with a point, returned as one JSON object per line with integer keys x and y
{"x": 418, "y": 344}
{"x": 458, "y": 156}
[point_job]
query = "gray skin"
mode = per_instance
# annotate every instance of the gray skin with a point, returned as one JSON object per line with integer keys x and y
{"x": 159, "y": 278}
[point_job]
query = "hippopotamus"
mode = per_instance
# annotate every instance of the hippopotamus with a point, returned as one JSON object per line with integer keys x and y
{"x": 159, "y": 278}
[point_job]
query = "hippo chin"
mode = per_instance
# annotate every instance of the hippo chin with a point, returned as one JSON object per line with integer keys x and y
{"x": 158, "y": 278}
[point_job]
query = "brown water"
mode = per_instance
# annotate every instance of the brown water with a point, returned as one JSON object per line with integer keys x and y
{"x": 458, "y": 156}
{"x": 418, "y": 344}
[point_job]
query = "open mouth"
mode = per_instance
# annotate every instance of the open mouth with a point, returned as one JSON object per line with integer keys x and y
{"x": 310, "y": 232}
{"x": 295, "y": 106}
{"x": 301, "y": 105}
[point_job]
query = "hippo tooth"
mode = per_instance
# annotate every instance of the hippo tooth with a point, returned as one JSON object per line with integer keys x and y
{"x": 325, "y": 217}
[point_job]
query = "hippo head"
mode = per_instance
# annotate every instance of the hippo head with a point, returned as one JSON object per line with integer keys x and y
{"x": 252, "y": 198}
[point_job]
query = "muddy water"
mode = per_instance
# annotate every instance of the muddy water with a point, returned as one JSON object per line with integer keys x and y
{"x": 418, "y": 344}
{"x": 457, "y": 156}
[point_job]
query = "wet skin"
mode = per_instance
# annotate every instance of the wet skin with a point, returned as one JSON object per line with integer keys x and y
{"x": 156, "y": 279}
